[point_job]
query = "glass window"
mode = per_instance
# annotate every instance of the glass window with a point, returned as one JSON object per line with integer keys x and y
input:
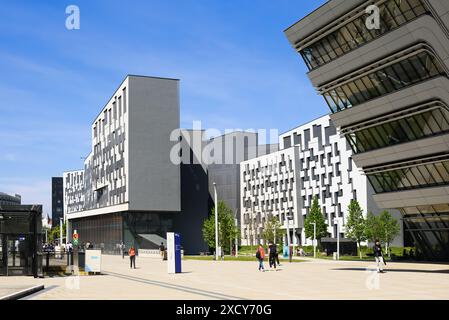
{"x": 409, "y": 178}
{"x": 355, "y": 33}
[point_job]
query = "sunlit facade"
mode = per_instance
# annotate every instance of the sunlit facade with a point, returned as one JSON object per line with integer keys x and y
{"x": 387, "y": 89}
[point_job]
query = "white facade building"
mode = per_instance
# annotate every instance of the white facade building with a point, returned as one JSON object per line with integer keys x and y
{"x": 322, "y": 166}
{"x": 269, "y": 187}
{"x": 73, "y": 190}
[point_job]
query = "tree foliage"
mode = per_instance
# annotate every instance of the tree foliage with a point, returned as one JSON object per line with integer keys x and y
{"x": 383, "y": 227}
{"x": 272, "y": 230}
{"x": 227, "y": 229}
{"x": 315, "y": 215}
{"x": 53, "y": 234}
{"x": 390, "y": 227}
{"x": 356, "y": 224}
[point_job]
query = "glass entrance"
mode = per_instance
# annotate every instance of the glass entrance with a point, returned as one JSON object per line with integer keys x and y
{"x": 17, "y": 255}
{"x": 3, "y": 255}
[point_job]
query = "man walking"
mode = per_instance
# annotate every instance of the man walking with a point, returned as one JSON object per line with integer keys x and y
{"x": 260, "y": 255}
{"x": 132, "y": 257}
{"x": 272, "y": 252}
{"x": 122, "y": 249}
{"x": 379, "y": 256}
{"x": 162, "y": 250}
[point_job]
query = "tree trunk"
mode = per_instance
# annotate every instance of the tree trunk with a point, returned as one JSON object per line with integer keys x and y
{"x": 360, "y": 251}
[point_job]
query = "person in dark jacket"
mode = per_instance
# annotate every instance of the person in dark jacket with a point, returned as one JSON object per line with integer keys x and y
{"x": 379, "y": 256}
{"x": 272, "y": 252}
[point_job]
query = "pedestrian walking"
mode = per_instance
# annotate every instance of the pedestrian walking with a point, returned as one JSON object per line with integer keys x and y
{"x": 162, "y": 251}
{"x": 272, "y": 253}
{"x": 380, "y": 261}
{"x": 132, "y": 257}
{"x": 260, "y": 255}
{"x": 122, "y": 249}
{"x": 290, "y": 253}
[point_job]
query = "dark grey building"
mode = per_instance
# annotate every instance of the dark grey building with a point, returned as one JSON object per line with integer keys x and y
{"x": 236, "y": 147}
{"x": 129, "y": 188}
{"x": 387, "y": 87}
{"x": 57, "y": 199}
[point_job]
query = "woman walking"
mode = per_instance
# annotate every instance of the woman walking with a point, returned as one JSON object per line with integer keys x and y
{"x": 132, "y": 257}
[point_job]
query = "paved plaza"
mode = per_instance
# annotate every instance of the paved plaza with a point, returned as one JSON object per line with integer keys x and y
{"x": 313, "y": 279}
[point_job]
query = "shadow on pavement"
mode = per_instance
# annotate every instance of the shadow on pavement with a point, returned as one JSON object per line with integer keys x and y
{"x": 394, "y": 270}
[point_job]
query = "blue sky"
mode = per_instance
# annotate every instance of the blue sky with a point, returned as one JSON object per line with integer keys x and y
{"x": 236, "y": 67}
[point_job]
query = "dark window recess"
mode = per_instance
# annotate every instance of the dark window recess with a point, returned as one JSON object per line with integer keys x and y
{"x": 287, "y": 142}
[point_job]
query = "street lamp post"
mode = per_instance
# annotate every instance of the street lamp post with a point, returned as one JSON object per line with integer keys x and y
{"x": 236, "y": 238}
{"x": 60, "y": 232}
{"x": 314, "y": 239}
{"x": 216, "y": 221}
{"x": 338, "y": 238}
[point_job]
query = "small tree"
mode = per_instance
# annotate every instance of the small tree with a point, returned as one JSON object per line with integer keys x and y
{"x": 227, "y": 230}
{"x": 54, "y": 233}
{"x": 373, "y": 230}
{"x": 209, "y": 231}
{"x": 391, "y": 229}
{"x": 272, "y": 230}
{"x": 356, "y": 224}
{"x": 315, "y": 216}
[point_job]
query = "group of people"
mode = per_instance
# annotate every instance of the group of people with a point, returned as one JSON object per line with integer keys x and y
{"x": 51, "y": 247}
{"x": 273, "y": 256}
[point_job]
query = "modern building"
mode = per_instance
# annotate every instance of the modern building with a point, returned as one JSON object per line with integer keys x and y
{"x": 387, "y": 88}
{"x": 73, "y": 193}
{"x": 314, "y": 160}
{"x": 227, "y": 152}
{"x": 57, "y": 199}
{"x": 129, "y": 188}
{"x": 269, "y": 187}
{"x": 6, "y": 199}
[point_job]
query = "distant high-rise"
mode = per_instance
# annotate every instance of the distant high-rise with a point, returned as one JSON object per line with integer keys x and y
{"x": 57, "y": 199}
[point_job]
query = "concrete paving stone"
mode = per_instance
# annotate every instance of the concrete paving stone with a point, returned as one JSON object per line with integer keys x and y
{"x": 310, "y": 280}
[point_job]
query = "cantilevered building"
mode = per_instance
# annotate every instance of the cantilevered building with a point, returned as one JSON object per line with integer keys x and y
{"x": 388, "y": 91}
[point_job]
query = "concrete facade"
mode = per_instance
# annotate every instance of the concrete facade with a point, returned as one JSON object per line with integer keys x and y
{"x": 387, "y": 89}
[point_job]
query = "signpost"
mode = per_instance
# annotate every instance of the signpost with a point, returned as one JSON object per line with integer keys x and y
{"x": 173, "y": 252}
{"x": 93, "y": 261}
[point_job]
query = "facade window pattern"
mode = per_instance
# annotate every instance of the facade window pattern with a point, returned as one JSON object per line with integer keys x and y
{"x": 268, "y": 188}
{"x": 352, "y": 35}
{"x": 387, "y": 79}
{"x": 409, "y": 125}
{"x": 105, "y": 169}
{"x": 322, "y": 167}
{"x": 74, "y": 191}
{"x": 429, "y": 172}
